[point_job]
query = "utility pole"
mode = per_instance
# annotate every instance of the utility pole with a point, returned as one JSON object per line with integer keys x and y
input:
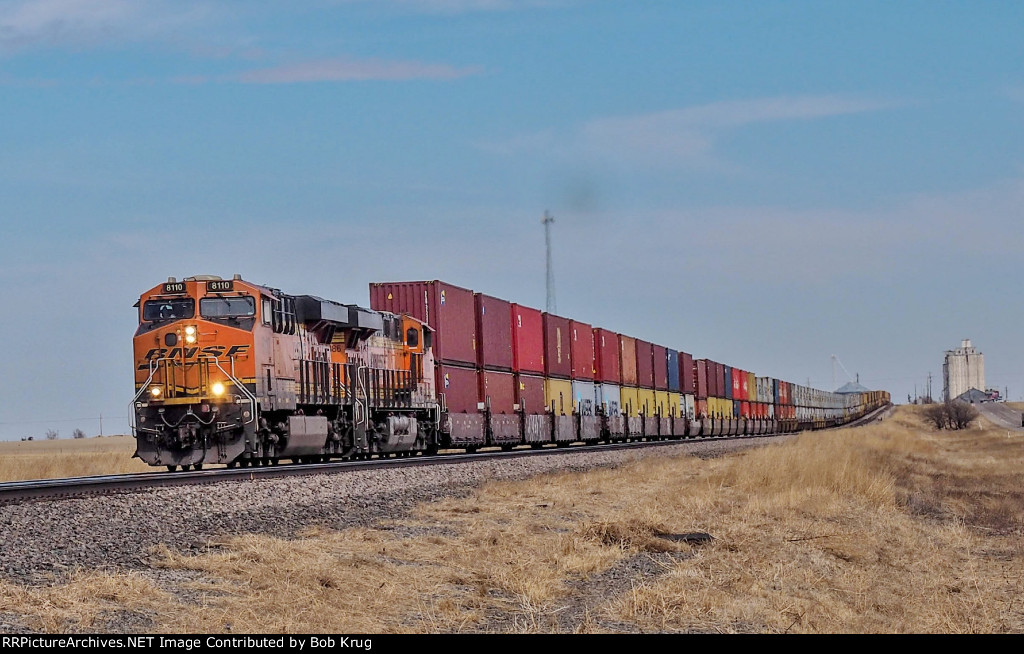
{"x": 929, "y": 384}
{"x": 548, "y": 219}
{"x": 101, "y": 424}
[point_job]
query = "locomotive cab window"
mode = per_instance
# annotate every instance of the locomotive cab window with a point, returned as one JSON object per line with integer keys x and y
{"x": 227, "y": 307}
{"x": 178, "y": 308}
{"x": 412, "y": 337}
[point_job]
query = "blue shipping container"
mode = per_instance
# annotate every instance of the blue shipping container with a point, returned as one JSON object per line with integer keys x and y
{"x": 673, "y": 370}
{"x": 727, "y": 391}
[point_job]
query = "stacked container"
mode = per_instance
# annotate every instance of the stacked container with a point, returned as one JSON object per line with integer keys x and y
{"x": 607, "y": 371}
{"x": 581, "y": 337}
{"x": 528, "y": 357}
{"x": 557, "y": 365}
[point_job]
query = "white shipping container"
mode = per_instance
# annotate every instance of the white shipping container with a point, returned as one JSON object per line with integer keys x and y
{"x": 583, "y": 398}
{"x": 608, "y": 396}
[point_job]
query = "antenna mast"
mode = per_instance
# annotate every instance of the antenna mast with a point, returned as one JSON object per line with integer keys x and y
{"x": 548, "y": 219}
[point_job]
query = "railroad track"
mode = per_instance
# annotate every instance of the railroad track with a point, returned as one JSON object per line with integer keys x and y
{"x": 16, "y": 491}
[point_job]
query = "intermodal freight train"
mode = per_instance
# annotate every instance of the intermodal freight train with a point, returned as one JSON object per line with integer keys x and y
{"x": 232, "y": 372}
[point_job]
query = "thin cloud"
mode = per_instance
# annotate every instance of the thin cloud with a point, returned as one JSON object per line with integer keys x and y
{"x": 682, "y": 136}
{"x": 352, "y": 70}
{"x": 467, "y": 6}
{"x": 28, "y": 23}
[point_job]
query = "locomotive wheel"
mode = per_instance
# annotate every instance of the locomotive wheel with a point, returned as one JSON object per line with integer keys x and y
{"x": 171, "y": 468}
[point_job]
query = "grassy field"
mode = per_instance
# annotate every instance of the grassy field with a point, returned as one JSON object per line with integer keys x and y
{"x": 68, "y": 458}
{"x": 886, "y": 528}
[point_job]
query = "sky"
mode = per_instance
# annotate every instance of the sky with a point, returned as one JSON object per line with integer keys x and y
{"x": 765, "y": 184}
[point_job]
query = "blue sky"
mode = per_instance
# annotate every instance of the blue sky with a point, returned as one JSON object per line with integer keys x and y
{"x": 765, "y": 183}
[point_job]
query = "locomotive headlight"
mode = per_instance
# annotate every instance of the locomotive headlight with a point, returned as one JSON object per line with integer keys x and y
{"x": 218, "y": 389}
{"x": 190, "y": 334}
{"x": 155, "y": 391}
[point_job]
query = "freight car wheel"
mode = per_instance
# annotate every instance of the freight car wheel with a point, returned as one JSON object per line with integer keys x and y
{"x": 198, "y": 466}
{"x": 231, "y": 464}
{"x": 172, "y": 468}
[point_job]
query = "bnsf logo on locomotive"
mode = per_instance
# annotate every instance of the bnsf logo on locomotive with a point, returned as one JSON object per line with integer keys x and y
{"x": 216, "y": 351}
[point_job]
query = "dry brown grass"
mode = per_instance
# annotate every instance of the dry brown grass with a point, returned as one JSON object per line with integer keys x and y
{"x": 887, "y": 528}
{"x": 68, "y": 458}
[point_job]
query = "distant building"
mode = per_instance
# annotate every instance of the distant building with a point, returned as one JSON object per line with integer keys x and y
{"x": 963, "y": 370}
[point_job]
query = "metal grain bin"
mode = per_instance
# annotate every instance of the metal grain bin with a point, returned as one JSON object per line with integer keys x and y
{"x": 644, "y": 364}
{"x": 493, "y": 332}
{"x": 498, "y": 388}
{"x": 558, "y": 396}
{"x": 557, "y": 347}
{"x": 609, "y": 398}
{"x": 672, "y": 364}
{"x": 627, "y": 360}
{"x": 606, "y": 356}
{"x": 460, "y": 386}
{"x": 527, "y": 339}
{"x": 530, "y": 393}
{"x": 687, "y": 374}
{"x": 583, "y": 365}
{"x": 449, "y": 310}
{"x": 584, "y": 401}
{"x": 660, "y": 367}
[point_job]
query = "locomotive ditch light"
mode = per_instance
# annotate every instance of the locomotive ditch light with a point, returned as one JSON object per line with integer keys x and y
{"x": 155, "y": 391}
{"x": 218, "y": 389}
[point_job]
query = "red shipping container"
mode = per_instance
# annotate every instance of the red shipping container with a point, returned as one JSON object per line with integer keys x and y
{"x": 582, "y": 336}
{"x": 606, "y": 356}
{"x": 527, "y": 339}
{"x": 687, "y": 378}
{"x": 449, "y": 310}
{"x": 557, "y": 347}
{"x": 712, "y": 379}
{"x": 460, "y": 385}
{"x": 644, "y": 364}
{"x": 701, "y": 375}
{"x": 745, "y": 389}
{"x": 660, "y": 368}
{"x": 737, "y": 376}
{"x": 745, "y": 409}
{"x": 499, "y": 388}
{"x": 720, "y": 379}
{"x": 530, "y": 393}
{"x": 627, "y": 360}
{"x": 701, "y": 408}
{"x": 493, "y": 332}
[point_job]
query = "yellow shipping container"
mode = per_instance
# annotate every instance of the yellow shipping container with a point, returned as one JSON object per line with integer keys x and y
{"x": 645, "y": 401}
{"x": 674, "y": 403}
{"x": 628, "y": 405}
{"x": 661, "y": 407}
{"x": 558, "y": 392}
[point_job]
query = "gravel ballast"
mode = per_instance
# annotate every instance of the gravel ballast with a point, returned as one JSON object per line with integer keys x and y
{"x": 44, "y": 540}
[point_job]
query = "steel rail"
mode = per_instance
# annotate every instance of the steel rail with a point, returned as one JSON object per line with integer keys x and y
{"x": 16, "y": 491}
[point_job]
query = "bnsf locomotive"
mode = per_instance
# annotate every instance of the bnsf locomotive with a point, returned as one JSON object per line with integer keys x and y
{"x": 231, "y": 372}
{"x": 227, "y": 371}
